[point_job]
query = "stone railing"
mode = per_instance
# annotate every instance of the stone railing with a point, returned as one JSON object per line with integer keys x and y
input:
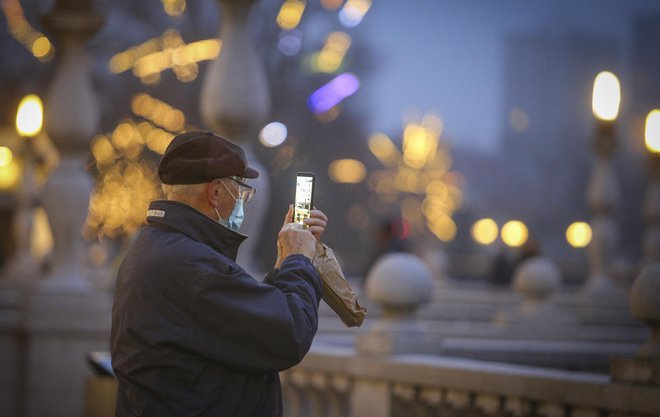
{"x": 340, "y": 382}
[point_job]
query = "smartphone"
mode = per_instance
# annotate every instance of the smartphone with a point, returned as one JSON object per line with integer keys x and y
{"x": 304, "y": 201}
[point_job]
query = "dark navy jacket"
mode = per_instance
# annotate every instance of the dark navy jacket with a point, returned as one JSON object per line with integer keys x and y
{"x": 193, "y": 334}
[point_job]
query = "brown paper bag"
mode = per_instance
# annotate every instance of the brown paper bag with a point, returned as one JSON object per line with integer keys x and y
{"x": 335, "y": 290}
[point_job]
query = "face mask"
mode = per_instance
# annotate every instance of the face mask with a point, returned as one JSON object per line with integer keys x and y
{"x": 236, "y": 217}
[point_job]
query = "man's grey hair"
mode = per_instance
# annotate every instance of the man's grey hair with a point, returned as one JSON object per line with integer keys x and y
{"x": 181, "y": 191}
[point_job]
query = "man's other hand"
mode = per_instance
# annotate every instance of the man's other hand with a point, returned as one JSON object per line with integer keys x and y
{"x": 316, "y": 223}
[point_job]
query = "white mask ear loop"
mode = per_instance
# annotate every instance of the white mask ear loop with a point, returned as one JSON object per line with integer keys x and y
{"x": 229, "y": 191}
{"x": 216, "y": 209}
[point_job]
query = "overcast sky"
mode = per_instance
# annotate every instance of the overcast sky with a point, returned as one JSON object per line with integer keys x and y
{"x": 446, "y": 55}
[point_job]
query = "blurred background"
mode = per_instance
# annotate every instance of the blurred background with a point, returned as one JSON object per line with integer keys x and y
{"x": 451, "y": 113}
{"x": 491, "y": 171}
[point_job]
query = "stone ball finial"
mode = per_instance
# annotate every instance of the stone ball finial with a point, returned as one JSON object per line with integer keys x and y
{"x": 537, "y": 278}
{"x": 400, "y": 281}
{"x": 645, "y": 306}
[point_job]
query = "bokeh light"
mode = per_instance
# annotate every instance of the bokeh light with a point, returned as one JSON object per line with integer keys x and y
{"x": 290, "y": 42}
{"x": 443, "y": 227}
{"x": 331, "y": 56}
{"x": 30, "y": 116}
{"x": 347, "y": 171}
{"x": 419, "y": 145}
{"x": 652, "y": 131}
{"x": 290, "y": 14}
{"x": 384, "y": 149}
{"x": 418, "y": 175}
{"x": 606, "y": 96}
{"x": 353, "y": 12}
{"x": 578, "y": 234}
{"x": 10, "y": 175}
{"x": 514, "y": 233}
{"x": 331, "y": 4}
{"x": 41, "y": 47}
{"x": 273, "y": 134}
{"x": 174, "y": 8}
{"x": 21, "y": 30}
{"x": 485, "y": 231}
{"x": 6, "y": 156}
{"x": 169, "y": 51}
{"x": 333, "y": 92}
{"x": 158, "y": 112}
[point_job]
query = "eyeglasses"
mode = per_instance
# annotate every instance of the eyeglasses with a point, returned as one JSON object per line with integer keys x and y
{"x": 245, "y": 192}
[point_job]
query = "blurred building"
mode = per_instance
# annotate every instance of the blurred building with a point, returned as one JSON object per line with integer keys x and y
{"x": 645, "y": 71}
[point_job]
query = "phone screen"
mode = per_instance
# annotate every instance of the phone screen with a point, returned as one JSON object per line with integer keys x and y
{"x": 304, "y": 196}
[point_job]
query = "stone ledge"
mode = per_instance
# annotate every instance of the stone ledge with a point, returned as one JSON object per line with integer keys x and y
{"x": 636, "y": 370}
{"x": 575, "y": 388}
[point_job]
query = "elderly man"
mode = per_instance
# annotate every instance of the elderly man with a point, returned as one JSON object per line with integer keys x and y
{"x": 193, "y": 334}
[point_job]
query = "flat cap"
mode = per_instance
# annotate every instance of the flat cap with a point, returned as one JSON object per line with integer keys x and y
{"x": 196, "y": 157}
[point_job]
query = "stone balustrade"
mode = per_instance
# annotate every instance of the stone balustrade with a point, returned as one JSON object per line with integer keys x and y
{"x": 335, "y": 381}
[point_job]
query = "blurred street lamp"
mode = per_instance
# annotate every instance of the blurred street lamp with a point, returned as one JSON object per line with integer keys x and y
{"x": 485, "y": 231}
{"x": 514, "y": 233}
{"x": 29, "y": 121}
{"x": 652, "y": 200}
{"x": 603, "y": 190}
{"x": 578, "y": 234}
{"x": 606, "y": 96}
{"x": 30, "y": 116}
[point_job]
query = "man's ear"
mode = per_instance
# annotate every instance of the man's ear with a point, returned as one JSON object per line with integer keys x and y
{"x": 213, "y": 192}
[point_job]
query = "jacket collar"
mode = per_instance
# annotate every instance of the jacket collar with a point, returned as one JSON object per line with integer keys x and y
{"x": 194, "y": 224}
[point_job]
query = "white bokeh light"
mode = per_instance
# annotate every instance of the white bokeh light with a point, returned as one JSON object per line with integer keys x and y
{"x": 273, "y": 134}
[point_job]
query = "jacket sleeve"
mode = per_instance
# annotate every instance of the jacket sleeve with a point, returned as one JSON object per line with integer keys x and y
{"x": 250, "y": 326}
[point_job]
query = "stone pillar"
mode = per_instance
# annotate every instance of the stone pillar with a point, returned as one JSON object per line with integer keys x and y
{"x": 399, "y": 283}
{"x": 644, "y": 368}
{"x": 235, "y": 103}
{"x": 71, "y": 120}
{"x": 65, "y": 316}
{"x": 12, "y": 353}
{"x": 604, "y": 198}
{"x": 652, "y": 212}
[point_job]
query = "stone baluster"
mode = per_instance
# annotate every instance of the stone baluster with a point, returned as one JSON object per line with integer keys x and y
{"x": 291, "y": 395}
{"x": 71, "y": 120}
{"x": 400, "y": 283}
{"x": 316, "y": 393}
{"x": 585, "y": 412}
{"x": 603, "y": 197}
{"x": 340, "y": 388}
{"x": 407, "y": 402}
{"x": 644, "y": 368}
{"x": 537, "y": 280}
{"x": 652, "y": 212}
{"x": 551, "y": 409}
{"x": 488, "y": 404}
{"x": 516, "y": 406}
{"x": 235, "y": 103}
